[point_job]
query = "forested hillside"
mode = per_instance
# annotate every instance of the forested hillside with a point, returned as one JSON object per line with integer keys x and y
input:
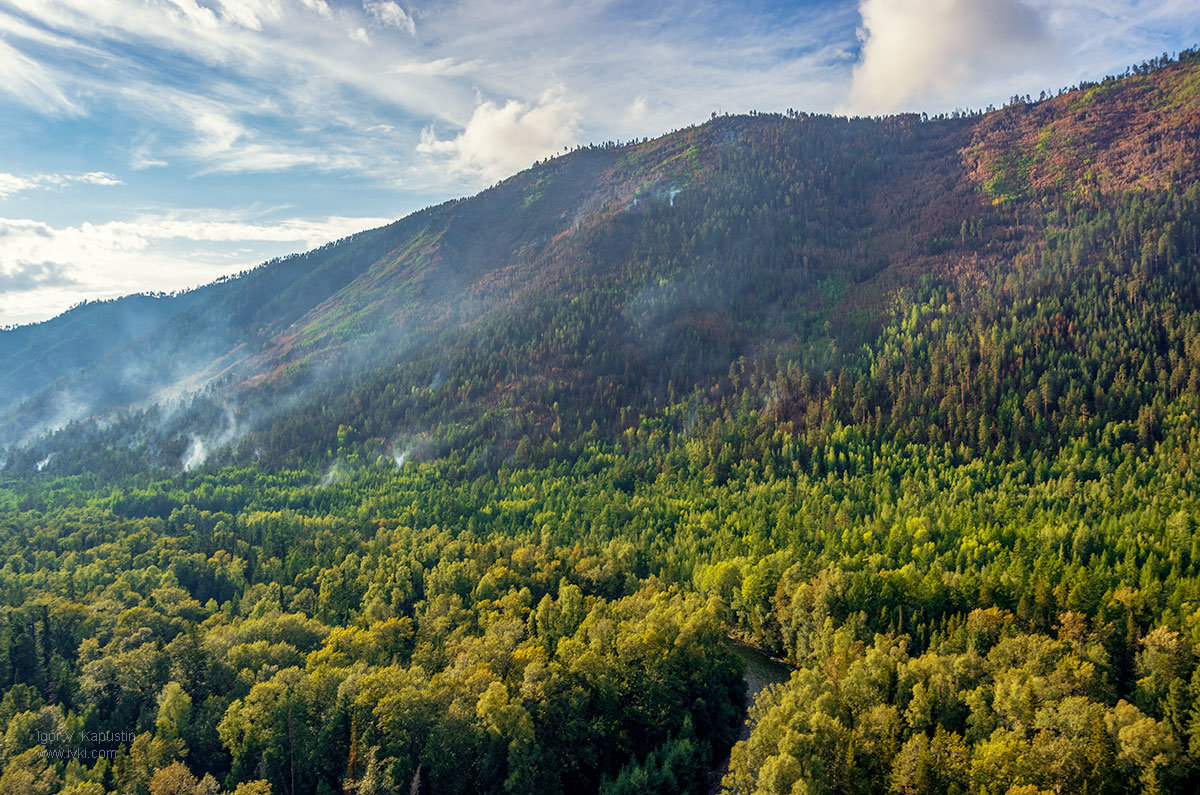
{"x": 471, "y": 503}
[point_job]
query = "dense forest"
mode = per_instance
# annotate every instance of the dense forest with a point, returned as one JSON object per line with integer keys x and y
{"x": 912, "y": 404}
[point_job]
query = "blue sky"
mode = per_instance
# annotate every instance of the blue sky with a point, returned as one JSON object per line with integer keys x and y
{"x": 158, "y": 144}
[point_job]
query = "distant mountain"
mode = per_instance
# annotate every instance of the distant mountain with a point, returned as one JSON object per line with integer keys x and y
{"x": 602, "y": 283}
{"x": 36, "y": 355}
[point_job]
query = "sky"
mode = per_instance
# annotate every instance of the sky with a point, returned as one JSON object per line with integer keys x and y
{"x": 154, "y": 145}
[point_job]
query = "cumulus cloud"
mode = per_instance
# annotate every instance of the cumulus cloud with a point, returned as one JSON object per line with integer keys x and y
{"x": 929, "y": 51}
{"x": 11, "y": 184}
{"x": 390, "y": 14}
{"x": 501, "y": 139}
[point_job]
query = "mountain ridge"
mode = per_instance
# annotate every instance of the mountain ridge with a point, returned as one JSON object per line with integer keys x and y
{"x": 845, "y": 211}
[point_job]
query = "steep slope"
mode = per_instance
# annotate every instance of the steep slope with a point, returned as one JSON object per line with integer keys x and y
{"x": 655, "y": 264}
{"x": 610, "y": 278}
{"x": 140, "y": 348}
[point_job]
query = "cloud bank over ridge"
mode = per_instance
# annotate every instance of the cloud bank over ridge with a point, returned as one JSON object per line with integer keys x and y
{"x": 924, "y": 52}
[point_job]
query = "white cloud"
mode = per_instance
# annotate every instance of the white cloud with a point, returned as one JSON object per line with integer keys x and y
{"x": 637, "y": 108}
{"x": 216, "y": 134}
{"x": 140, "y": 157}
{"x": 360, "y": 35}
{"x": 250, "y": 13}
{"x": 211, "y": 226}
{"x": 441, "y": 67}
{"x": 97, "y": 178}
{"x": 189, "y": 11}
{"x": 225, "y": 146}
{"x": 298, "y": 73}
{"x": 501, "y": 139}
{"x": 32, "y": 84}
{"x": 54, "y": 267}
{"x": 11, "y": 184}
{"x": 390, "y": 14}
{"x": 921, "y": 52}
{"x": 320, "y": 6}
